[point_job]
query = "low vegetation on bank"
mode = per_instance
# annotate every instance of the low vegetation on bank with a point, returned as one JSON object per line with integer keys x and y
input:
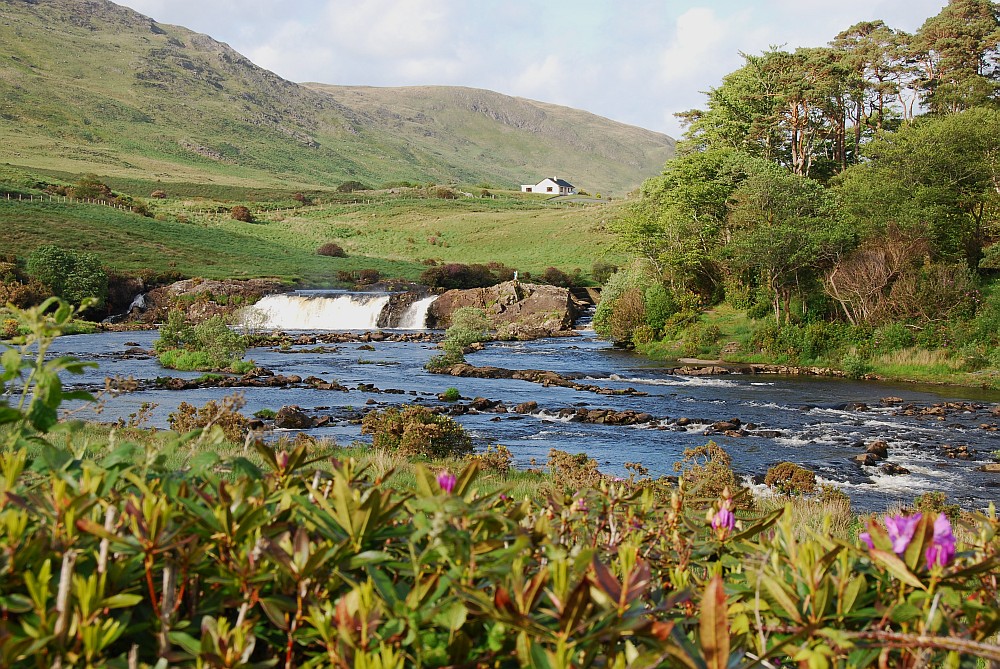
{"x": 298, "y": 555}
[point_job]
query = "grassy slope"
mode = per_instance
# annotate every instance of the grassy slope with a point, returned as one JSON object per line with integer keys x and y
{"x": 93, "y": 87}
{"x": 391, "y": 234}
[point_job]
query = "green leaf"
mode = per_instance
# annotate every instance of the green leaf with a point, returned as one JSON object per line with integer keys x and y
{"x": 190, "y": 645}
{"x": 367, "y": 558}
{"x": 452, "y": 617}
{"x": 896, "y": 567}
{"x": 904, "y": 613}
{"x": 782, "y": 598}
{"x": 714, "y": 626}
{"x": 120, "y": 601}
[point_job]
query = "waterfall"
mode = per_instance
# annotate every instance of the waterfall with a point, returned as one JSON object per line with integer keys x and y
{"x": 415, "y": 317}
{"x": 345, "y": 311}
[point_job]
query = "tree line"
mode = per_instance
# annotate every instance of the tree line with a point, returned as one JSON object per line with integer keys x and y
{"x": 856, "y": 182}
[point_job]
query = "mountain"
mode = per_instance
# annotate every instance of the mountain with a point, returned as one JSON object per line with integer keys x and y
{"x": 90, "y": 86}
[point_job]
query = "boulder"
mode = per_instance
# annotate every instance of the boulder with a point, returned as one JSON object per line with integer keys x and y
{"x": 292, "y": 417}
{"x": 879, "y": 449}
{"x": 526, "y": 407}
{"x": 893, "y": 469}
{"x": 517, "y": 310}
{"x": 197, "y": 297}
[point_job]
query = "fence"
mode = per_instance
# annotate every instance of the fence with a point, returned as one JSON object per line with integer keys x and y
{"x": 69, "y": 200}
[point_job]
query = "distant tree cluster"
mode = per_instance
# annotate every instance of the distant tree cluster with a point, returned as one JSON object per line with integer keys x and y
{"x": 858, "y": 182}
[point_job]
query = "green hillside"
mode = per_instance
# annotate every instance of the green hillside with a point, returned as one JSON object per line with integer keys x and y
{"x": 95, "y": 87}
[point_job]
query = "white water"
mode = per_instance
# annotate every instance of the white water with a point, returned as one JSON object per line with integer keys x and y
{"x": 415, "y": 317}
{"x": 331, "y": 312}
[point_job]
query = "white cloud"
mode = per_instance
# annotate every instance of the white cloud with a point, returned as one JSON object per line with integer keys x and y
{"x": 637, "y": 63}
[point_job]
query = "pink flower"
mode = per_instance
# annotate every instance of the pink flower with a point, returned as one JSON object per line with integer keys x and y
{"x": 282, "y": 458}
{"x": 866, "y": 537}
{"x": 901, "y": 529}
{"x": 446, "y": 480}
{"x": 942, "y": 548}
{"x": 723, "y": 521}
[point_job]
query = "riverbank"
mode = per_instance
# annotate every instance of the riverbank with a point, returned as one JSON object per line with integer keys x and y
{"x": 725, "y": 341}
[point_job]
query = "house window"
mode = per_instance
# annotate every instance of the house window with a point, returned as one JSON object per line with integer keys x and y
{"x": 549, "y": 189}
{"x": 528, "y": 189}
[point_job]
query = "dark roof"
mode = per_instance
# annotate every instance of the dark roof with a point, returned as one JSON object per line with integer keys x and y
{"x": 562, "y": 182}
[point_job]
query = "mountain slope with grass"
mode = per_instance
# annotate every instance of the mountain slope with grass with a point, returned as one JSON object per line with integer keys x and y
{"x": 95, "y": 87}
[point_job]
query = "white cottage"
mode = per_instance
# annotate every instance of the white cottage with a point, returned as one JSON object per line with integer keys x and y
{"x": 553, "y": 185}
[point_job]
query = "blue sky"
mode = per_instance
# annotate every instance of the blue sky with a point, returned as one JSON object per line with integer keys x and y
{"x": 635, "y": 61}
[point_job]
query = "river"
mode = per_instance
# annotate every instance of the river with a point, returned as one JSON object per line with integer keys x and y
{"x": 819, "y": 423}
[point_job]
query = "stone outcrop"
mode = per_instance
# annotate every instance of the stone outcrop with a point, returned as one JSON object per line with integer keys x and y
{"x": 517, "y": 310}
{"x": 203, "y": 298}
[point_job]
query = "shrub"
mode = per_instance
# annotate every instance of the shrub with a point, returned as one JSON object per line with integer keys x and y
{"x": 855, "y": 366}
{"x": 332, "y": 250}
{"x": 468, "y": 326}
{"x": 209, "y": 345}
{"x": 572, "y": 472}
{"x": 933, "y": 503}
{"x": 225, "y": 414}
{"x": 416, "y": 430}
{"x": 707, "y": 472}
{"x": 660, "y": 306}
{"x": 556, "y": 277}
{"x": 241, "y": 213}
{"x": 68, "y": 274}
{"x": 351, "y": 186}
{"x": 458, "y": 275}
{"x": 369, "y": 276}
{"x": 158, "y": 194}
{"x": 495, "y": 460}
{"x": 9, "y": 328}
{"x": 602, "y": 271}
{"x": 451, "y": 395}
{"x": 24, "y": 294}
{"x": 789, "y": 478}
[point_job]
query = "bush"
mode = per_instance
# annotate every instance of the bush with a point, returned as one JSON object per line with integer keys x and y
{"x": 602, "y": 271}
{"x": 451, "y": 395}
{"x": 24, "y": 295}
{"x": 332, "y": 250}
{"x": 68, "y": 274}
{"x": 241, "y": 213}
{"x": 468, "y": 326}
{"x": 210, "y": 345}
{"x": 789, "y": 478}
{"x": 496, "y": 460}
{"x": 367, "y": 277}
{"x": 416, "y": 430}
{"x": 225, "y": 414}
{"x": 556, "y": 277}
{"x": 458, "y": 275}
{"x": 572, "y": 472}
{"x": 660, "y": 306}
{"x": 158, "y": 194}
{"x": 351, "y": 186}
{"x": 707, "y": 472}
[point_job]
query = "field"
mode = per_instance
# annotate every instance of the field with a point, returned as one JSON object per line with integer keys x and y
{"x": 398, "y": 235}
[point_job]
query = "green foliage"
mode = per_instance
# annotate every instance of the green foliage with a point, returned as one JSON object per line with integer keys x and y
{"x": 224, "y": 562}
{"x": 68, "y": 274}
{"x": 789, "y": 478}
{"x": 469, "y": 325}
{"x": 855, "y": 366}
{"x": 416, "y": 430}
{"x": 351, "y": 186}
{"x": 451, "y": 395}
{"x": 622, "y": 308}
{"x": 209, "y": 345}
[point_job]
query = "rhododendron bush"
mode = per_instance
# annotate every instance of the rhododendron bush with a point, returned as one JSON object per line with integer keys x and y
{"x": 110, "y": 559}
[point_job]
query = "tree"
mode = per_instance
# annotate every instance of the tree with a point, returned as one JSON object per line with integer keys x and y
{"x": 784, "y": 235}
{"x": 68, "y": 274}
{"x": 940, "y": 175}
{"x": 958, "y": 53}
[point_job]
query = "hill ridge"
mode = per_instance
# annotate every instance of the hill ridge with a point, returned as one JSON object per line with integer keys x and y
{"x": 94, "y": 86}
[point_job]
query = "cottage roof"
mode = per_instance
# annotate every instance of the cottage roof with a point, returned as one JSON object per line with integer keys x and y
{"x": 562, "y": 182}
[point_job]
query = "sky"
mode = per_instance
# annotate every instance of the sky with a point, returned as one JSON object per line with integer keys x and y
{"x": 634, "y": 61}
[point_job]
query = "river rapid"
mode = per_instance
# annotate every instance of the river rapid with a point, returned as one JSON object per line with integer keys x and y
{"x": 819, "y": 423}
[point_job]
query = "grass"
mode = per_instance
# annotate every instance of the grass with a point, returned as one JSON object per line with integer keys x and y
{"x": 95, "y": 88}
{"x": 392, "y": 234}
